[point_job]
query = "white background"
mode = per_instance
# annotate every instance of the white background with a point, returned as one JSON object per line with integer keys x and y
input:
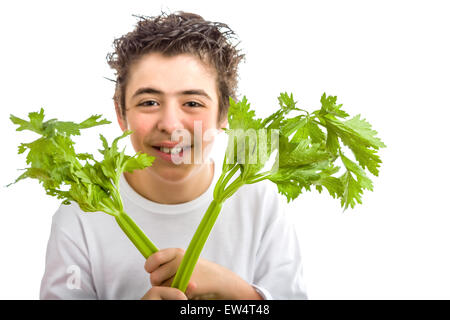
{"x": 388, "y": 60}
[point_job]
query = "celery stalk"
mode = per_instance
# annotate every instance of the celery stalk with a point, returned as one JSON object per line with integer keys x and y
{"x": 136, "y": 235}
{"x": 192, "y": 254}
{"x": 195, "y": 247}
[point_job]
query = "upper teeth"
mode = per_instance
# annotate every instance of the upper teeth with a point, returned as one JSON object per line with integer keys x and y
{"x": 174, "y": 150}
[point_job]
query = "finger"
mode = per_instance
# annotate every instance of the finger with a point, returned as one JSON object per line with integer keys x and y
{"x": 168, "y": 282}
{"x": 158, "y": 258}
{"x": 168, "y": 293}
{"x": 190, "y": 290}
{"x": 164, "y": 293}
{"x": 164, "y": 274}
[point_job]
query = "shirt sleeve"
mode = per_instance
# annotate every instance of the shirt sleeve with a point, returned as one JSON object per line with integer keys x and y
{"x": 67, "y": 270}
{"x": 262, "y": 292}
{"x": 279, "y": 271}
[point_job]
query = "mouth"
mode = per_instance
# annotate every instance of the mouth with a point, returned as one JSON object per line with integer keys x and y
{"x": 173, "y": 154}
{"x": 173, "y": 150}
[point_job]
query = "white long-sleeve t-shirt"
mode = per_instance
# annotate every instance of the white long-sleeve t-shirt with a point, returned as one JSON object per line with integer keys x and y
{"x": 89, "y": 256}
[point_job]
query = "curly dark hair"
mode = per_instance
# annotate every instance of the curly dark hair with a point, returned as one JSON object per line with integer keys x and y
{"x": 178, "y": 33}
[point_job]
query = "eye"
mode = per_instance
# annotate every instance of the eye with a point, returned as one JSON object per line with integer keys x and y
{"x": 148, "y": 103}
{"x": 193, "y": 104}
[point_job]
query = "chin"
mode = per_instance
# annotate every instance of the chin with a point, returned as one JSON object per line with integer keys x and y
{"x": 175, "y": 174}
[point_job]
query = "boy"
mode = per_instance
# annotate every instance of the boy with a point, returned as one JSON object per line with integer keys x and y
{"x": 175, "y": 74}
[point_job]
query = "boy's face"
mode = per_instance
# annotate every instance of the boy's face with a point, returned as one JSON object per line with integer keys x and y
{"x": 166, "y": 98}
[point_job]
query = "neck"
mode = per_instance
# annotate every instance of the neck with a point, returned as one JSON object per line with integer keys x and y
{"x": 157, "y": 190}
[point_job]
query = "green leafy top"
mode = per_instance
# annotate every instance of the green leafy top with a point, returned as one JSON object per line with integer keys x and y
{"x": 72, "y": 176}
{"x": 305, "y": 154}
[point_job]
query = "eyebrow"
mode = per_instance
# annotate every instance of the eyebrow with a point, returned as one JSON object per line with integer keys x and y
{"x": 149, "y": 90}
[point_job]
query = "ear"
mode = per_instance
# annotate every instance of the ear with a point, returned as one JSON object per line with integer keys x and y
{"x": 120, "y": 119}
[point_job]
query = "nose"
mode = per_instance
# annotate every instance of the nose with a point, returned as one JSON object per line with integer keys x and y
{"x": 170, "y": 119}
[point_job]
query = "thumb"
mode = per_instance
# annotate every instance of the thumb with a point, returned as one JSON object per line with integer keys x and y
{"x": 191, "y": 289}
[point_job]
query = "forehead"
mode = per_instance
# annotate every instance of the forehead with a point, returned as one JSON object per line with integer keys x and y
{"x": 172, "y": 74}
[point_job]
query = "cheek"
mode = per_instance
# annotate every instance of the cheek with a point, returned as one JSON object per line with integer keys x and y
{"x": 141, "y": 127}
{"x": 207, "y": 127}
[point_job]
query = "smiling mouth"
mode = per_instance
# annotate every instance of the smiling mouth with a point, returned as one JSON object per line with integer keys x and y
{"x": 171, "y": 151}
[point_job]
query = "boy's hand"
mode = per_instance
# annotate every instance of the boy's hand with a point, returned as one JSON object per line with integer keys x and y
{"x": 164, "y": 293}
{"x": 209, "y": 280}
